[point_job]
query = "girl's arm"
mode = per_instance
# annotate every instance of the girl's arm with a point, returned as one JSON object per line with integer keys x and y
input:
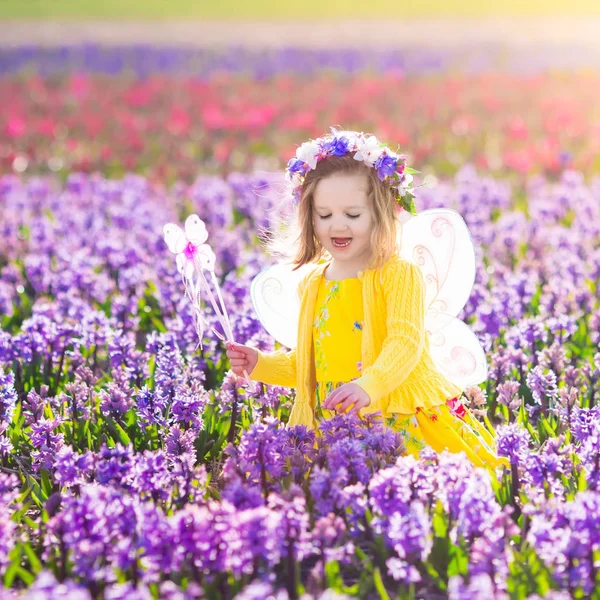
{"x": 276, "y": 368}
{"x": 405, "y": 341}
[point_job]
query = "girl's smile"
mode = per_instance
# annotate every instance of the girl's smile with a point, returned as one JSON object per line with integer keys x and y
{"x": 341, "y": 243}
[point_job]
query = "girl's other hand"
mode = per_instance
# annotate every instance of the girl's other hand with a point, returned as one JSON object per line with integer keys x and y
{"x": 345, "y": 396}
{"x": 242, "y": 358}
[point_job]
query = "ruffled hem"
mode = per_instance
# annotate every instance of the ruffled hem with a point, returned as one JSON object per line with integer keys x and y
{"x": 428, "y": 392}
{"x": 302, "y": 414}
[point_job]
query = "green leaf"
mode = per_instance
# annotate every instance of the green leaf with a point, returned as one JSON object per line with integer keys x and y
{"x": 379, "y": 585}
{"x": 118, "y": 431}
{"x": 13, "y": 567}
{"x": 35, "y": 562}
{"x": 546, "y": 424}
{"x": 437, "y": 578}
{"x": 459, "y": 561}
{"x": 440, "y": 525}
{"x": 361, "y": 553}
{"x": 160, "y": 326}
{"x": 581, "y": 481}
{"x": 46, "y": 483}
{"x": 37, "y": 493}
{"x": 26, "y": 577}
{"x": 332, "y": 573}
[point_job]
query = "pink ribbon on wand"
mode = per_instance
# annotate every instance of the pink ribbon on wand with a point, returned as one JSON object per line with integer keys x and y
{"x": 193, "y": 257}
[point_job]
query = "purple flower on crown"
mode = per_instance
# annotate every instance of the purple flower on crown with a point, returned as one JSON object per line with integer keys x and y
{"x": 338, "y": 146}
{"x": 367, "y": 149}
{"x": 296, "y": 165}
{"x": 386, "y": 166}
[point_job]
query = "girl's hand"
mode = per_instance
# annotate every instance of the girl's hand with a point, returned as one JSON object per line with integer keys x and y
{"x": 345, "y": 396}
{"x": 242, "y": 358}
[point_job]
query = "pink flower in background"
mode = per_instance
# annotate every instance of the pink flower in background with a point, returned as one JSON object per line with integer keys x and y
{"x": 15, "y": 126}
{"x": 442, "y": 120}
{"x": 179, "y": 122}
{"x": 517, "y": 128}
{"x": 81, "y": 85}
{"x": 47, "y": 127}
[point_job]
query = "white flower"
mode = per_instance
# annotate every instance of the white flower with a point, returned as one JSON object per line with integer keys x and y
{"x": 308, "y": 153}
{"x": 353, "y": 137}
{"x": 369, "y": 150}
{"x": 407, "y": 179}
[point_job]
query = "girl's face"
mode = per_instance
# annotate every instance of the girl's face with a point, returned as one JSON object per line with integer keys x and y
{"x": 343, "y": 218}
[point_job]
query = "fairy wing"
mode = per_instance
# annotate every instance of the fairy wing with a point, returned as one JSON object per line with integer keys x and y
{"x": 438, "y": 240}
{"x": 274, "y": 293}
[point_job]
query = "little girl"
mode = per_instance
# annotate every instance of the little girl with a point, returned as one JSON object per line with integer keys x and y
{"x": 362, "y": 345}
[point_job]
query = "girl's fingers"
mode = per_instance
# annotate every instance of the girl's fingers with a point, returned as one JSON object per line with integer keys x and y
{"x": 239, "y": 352}
{"x": 330, "y": 400}
{"x": 348, "y": 403}
{"x": 354, "y": 410}
{"x": 335, "y": 397}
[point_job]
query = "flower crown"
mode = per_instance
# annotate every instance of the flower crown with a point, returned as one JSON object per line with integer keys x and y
{"x": 369, "y": 149}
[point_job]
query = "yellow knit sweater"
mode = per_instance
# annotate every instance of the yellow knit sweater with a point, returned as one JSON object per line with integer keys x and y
{"x": 398, "y": 373}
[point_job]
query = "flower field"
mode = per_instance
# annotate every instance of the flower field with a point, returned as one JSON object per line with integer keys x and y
{"x": 138, "y": 112}
{"x": 134, "y": 465}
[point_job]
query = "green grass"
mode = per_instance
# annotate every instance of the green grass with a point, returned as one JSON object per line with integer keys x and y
{"x": 280, "y": 10}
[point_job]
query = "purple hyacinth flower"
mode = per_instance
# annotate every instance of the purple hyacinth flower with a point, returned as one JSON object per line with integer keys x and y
{"x": 46, "y": 586}
{"x": 386, "y": 166}
{"x": 337, "y": 146}
{"x": 513, "y": 442}
{"x": 295, "y": 165}
{"x": 8, "y": 396}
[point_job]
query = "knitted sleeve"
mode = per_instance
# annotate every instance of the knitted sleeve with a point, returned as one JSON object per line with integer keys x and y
{"x": 404, "y": 289}
{"x": 276, "y": 368}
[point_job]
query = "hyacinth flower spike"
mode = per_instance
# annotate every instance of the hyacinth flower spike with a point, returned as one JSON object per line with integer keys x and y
{"x": 193, "y": 257}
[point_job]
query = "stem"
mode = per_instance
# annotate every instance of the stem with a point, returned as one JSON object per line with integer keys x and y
{"x": 231, "y": 433}
{"x": 74, "y": 417}
{"x": 515, "y": 488}
{"x": 263, "y": 472}
{"x": 291, "y": 580}
{"x": 59, "y": 372}
{"x": 94, "y": 359}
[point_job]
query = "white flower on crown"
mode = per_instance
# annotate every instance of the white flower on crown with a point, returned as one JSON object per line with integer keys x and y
{"x": 353, "y": 136}
{"x": 369, "y": 150}
{"x": 308, "y": 153}
{"x": 407, "y": 179}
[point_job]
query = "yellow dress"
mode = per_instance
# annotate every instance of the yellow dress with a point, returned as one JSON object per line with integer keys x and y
{"x": 337, "y": 337}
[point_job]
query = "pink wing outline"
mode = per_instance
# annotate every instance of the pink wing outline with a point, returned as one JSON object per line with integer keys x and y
{"x": 274, "y": 294}
{"x": 438, "y": 241}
